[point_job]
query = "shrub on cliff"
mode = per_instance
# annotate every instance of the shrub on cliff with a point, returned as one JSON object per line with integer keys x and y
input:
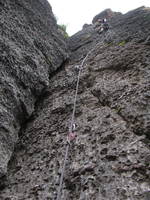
{"x": 63, "y": 30}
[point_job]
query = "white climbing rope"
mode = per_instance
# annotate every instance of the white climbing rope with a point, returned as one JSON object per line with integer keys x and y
{"x": 70, "y": 128}
{"x": 62, "y": 173}
{"x": 72, "y": 120}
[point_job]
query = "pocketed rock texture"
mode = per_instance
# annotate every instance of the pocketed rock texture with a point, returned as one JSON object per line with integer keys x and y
{"x": 31, "y": 48}
{"x": 110, "y": 158}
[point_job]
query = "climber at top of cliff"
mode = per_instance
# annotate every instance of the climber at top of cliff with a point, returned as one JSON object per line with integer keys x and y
{"x": 101, "y": 25}
{"x": 105, "y": 24}
{"x": 104, "y": 20}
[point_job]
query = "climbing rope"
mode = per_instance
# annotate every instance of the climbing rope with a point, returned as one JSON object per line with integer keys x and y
{"x": 71, "y": 126}
{"x": 72, "y": 121}
{"x": 62, "y": 173}
{"x": 109, "y": 33}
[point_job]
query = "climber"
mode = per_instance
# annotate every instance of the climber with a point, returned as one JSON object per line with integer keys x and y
{"x": 101, "y": 25}
{"x": 105, "y": 24}
{"x": 104, "y": 20}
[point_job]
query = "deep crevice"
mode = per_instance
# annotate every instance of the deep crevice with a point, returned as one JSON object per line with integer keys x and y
{"x": 44, "y": 94}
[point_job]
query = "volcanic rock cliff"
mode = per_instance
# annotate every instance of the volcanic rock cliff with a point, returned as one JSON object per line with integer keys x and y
{"x": 30, "y": 50}
{"x": 110, "y": 157}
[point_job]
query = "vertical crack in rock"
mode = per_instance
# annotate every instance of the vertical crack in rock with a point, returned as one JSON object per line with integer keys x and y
{"x": 31, "y": 48}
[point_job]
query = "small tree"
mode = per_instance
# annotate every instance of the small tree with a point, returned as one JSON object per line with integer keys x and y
{"x": 63, "y": 30}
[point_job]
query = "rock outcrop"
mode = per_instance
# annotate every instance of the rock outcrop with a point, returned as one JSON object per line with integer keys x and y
{"x": 31, "y": 49}
{"x": 110, "y": 158}
{"x": 107, "y": 14}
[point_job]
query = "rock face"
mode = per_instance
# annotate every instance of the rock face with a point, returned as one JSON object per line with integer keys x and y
{"x": 108, "y": 14}
{"x": 110, "y": 158}
{"x": 30, "y": 50}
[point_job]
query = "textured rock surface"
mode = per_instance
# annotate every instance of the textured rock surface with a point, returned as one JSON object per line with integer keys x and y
{"x": 30, "y": 50}
{"x": 108, "y": 13}
{"x": 110, "y": 158}
{"x": 133, "y": 26}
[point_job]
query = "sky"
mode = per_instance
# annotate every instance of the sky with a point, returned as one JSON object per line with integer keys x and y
{"x": 76, "y": 13}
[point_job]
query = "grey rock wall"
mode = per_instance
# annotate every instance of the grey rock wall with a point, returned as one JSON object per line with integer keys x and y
{"x": 110, "y": 158}
{"x": 31, "y": 48}
{"x": 132, "y": 26}
{"x": 107, "y": 14}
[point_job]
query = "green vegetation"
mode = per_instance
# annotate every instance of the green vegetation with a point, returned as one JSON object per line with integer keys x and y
{"x": 122, "y": 43}
{"x": 117, "y": 109}
{"x": 147, "y": 17}
{"x": 109, "y": 43}
{"x": 63, "y": 30}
